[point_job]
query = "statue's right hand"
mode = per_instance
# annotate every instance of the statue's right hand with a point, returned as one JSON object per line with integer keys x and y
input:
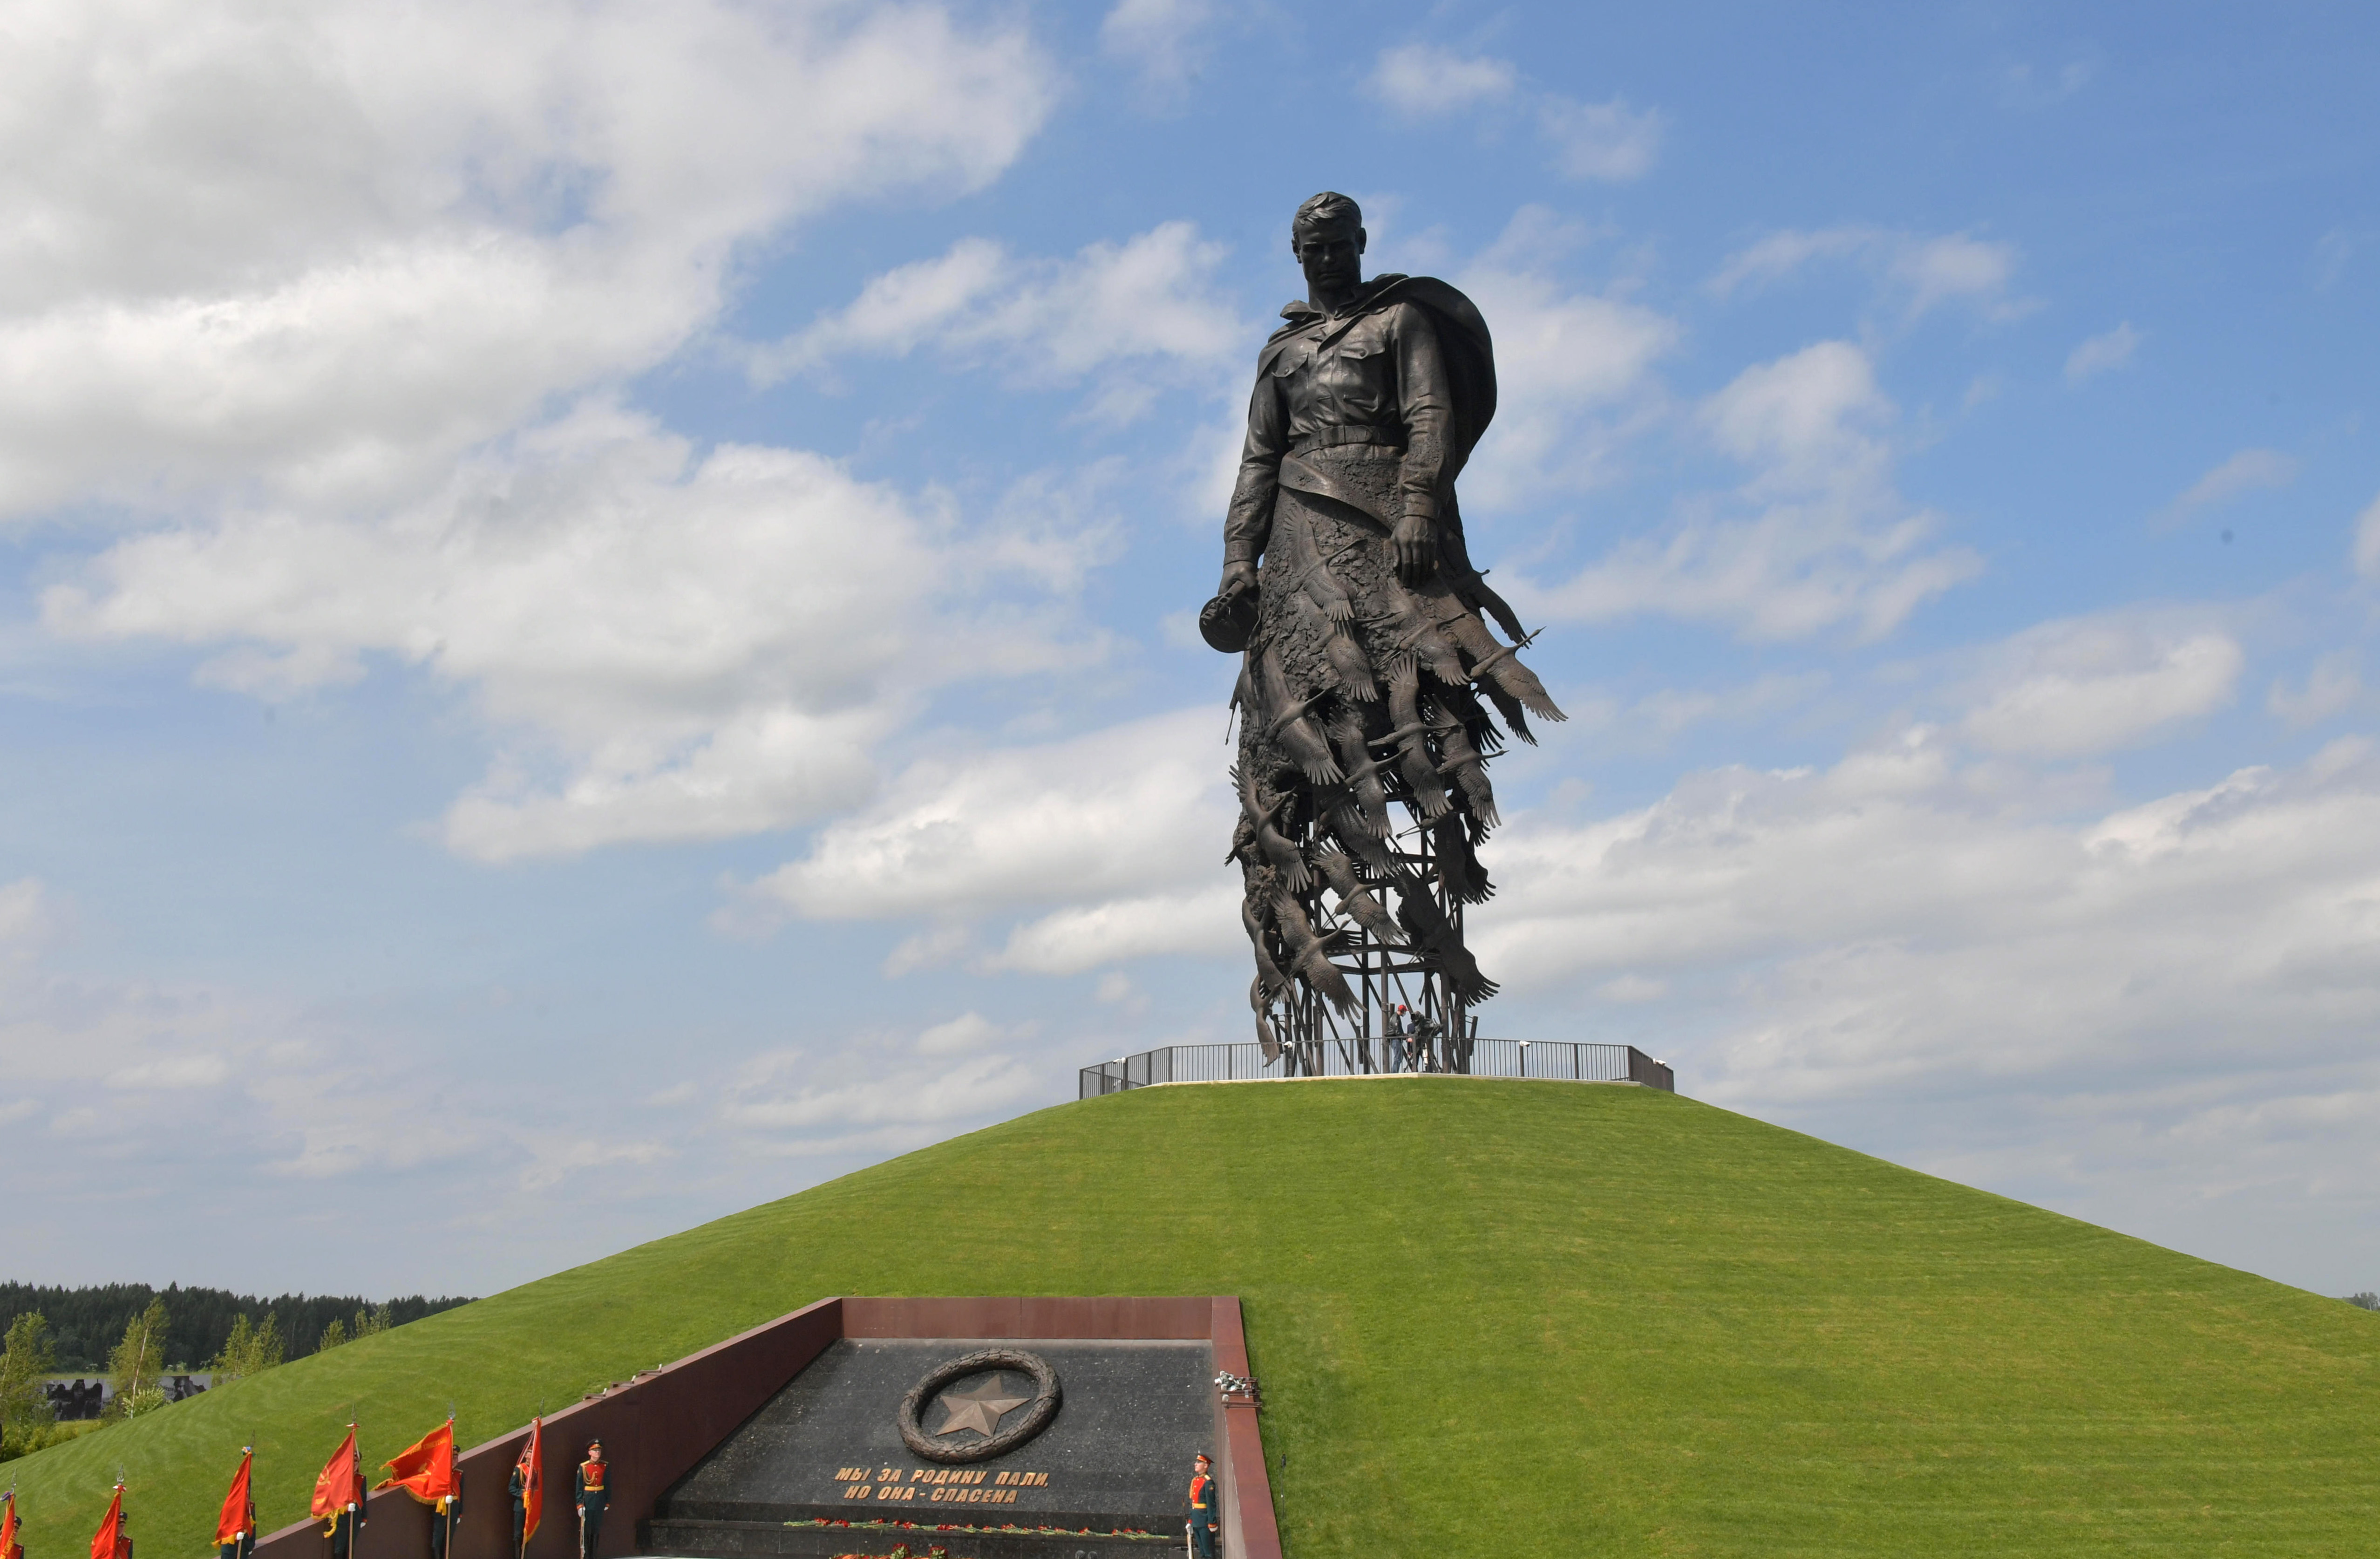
{"x": 1238, "y": 577}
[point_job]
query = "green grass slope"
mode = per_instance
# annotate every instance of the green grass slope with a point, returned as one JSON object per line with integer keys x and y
{"x": 1490, "y": 1318}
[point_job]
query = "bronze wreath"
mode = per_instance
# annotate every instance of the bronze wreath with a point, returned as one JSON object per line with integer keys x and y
{"x": 1036, "y": 1417}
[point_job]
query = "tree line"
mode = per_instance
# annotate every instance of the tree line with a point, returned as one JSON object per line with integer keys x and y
{"x": 87, "y": 1324}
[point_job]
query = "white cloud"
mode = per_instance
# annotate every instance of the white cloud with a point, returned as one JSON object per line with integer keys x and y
{"x": 1423, "y": 79}
{"x": 969, "y": 1031}
{"x": 2367, "y": 540}
{"x": 1109, "y": 815}
{"x": 26, "y": 917}
{"x": 2099, "y": 685}
{"x": 1600, "y": 140}
{"x": 982, "y": 1086}
{"x": 1604, "y": 140}
{"x": 2103, "y": 352}
{"x": 1149, "y": 299}
{"x": 1650, "y": 723}
{"x": 553, "y": 1160}
{"x": 2249, "y": 470}
{"x": 1954, "y": 266}
{"x": 200, "y": 1069}
{"x": 1918, "y": 272}
{"x": 1562, "y": 357}
{"x": 2332, "y": 686}
{"x": 1884, "y": 928}
{"x": 329, "y": 249}
{"x": 1165, "y": 39}
{"x": 1828, "y": 540}
{"x": 682, "y": 648}
{"x": 1204, "y": 921}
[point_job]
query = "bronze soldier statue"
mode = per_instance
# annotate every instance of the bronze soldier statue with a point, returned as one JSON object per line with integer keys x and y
{"x": 1360, "y": 624}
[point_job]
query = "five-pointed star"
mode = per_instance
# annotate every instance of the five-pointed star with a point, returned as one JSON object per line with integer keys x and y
{"x": 978, "y": 1410}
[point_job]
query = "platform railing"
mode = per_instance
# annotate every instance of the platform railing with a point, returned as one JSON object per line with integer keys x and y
{"x": 1558, "y": 1060}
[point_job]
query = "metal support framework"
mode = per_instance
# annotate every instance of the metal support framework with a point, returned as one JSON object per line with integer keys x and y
{"x": 1383, "y": 976}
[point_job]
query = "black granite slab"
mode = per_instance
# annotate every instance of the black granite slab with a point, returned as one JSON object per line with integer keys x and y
{"x": 1115, "y": 1458}
{"x": 775, "y": 1539}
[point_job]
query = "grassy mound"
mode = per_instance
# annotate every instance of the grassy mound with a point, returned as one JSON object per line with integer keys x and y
{"x": 1490, "y": 1318}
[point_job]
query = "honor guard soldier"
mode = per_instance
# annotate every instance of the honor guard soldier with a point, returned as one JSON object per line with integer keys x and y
{"x": 519, "y": 1492}
{"x": 1206, "y": 1511}
{"x": 592, "y": 1497}
{"x": 443, "y": 1518}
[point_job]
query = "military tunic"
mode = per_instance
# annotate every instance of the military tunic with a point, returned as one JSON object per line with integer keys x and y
{"x": 592, "y": 1498}
{"x": 1206, "y": 1516}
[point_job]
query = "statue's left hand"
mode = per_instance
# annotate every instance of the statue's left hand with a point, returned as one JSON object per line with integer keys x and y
{"x": 1415, "y": 548}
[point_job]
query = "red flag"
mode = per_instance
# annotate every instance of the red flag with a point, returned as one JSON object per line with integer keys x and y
{"x": 426, "y": 1468}
{"x": 341, "y": 1483}
{"x": 532, "y": 1467}
{"x": 238, "y": 1517}
{"x": 9, "y": 1547}
{"x": 109, "y": 1541}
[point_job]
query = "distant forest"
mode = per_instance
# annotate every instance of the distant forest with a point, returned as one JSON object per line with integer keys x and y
{"x": 89, "y": 1321}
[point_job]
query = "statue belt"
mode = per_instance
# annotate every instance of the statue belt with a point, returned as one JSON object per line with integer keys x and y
{"x": 1387, "y": 441}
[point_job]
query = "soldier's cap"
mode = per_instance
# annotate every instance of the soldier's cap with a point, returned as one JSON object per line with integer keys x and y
{"x": 1207, "y": 1459}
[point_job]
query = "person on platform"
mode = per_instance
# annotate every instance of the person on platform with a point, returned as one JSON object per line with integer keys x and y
{"x": 592, "y": 1497}
{"x": 1206, "y": 1511}
{"x": 520, "y": 1506}
{"x": 1392, "y": 1033}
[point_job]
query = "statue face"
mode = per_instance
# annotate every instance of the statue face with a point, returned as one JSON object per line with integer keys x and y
{"x": 1331, "y": 257}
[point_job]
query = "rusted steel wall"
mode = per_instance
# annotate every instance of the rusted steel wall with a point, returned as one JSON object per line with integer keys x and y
{"x": 656, "y": 1427}
{"x": 1248, "y": 1529}
{"x": 1120, "y": 1317}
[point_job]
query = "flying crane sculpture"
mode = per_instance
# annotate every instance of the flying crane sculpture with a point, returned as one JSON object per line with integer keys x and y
{"x": 1361, "y": 626}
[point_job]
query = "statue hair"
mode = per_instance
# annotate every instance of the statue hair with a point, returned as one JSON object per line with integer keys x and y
{"x": 1326, "y": 210}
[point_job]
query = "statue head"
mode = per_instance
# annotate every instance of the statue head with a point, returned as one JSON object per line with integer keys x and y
{"x": 1326, "y": 234}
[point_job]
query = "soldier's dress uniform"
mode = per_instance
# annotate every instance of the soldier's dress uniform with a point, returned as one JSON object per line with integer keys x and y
{"x": 243, "y": 1545}
{"x": 341, "y": 1532}
{"x": 519, "y": 1489}
{"x": 592, "y": 1498}
{"x": 1206, "y": 1516}
{"x": 443, "y": 1516}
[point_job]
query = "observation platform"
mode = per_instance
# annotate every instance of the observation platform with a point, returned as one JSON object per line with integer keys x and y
{"x": 1468, "y": 1056}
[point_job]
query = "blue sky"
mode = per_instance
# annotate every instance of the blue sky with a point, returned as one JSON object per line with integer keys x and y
{"x": 595, "y": 601}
